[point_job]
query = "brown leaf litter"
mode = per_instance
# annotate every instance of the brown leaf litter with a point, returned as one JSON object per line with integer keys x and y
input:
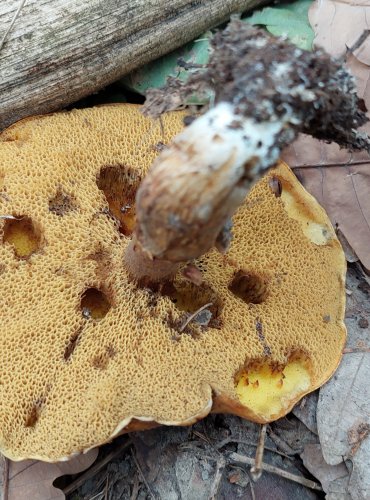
{"x": 328, "y": 475}
{"x": 339, "y": 179}
{"x": 34, "y": 479}
{"x": 343, "y": 411}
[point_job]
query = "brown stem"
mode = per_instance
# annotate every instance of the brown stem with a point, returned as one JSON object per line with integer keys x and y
{"x": 147, "y": 270}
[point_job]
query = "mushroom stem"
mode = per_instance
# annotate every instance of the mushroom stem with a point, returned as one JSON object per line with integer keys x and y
{"x": 145, "y": 269}
{"x": 184, "y": 204}
{"x": 266, "y": 91}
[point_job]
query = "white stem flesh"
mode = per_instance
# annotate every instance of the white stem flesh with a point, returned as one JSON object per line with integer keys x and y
{"x": 199, "y": 181}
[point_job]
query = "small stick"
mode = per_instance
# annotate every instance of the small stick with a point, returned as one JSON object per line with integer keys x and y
{"x": 21, "y": 5}
{"x": 221, "y": 462}
{"x": 359, "y": 41}
{"x": 256, "y": 470}
{"x": 135, "y": 488}
{"x": 97, "y": 495}
{"x": 202, "y": 437}
{"x": 338, "y": 164}
{"x": 106, "y": 488}
{"x": 101, "y": 482}
{"x": 349, "y": 350}
{"x": 275, "y": 470}
{"x": 151, "y": 494}
{"x": 280, "y": 443}
{"x": 96, "y": 468}
{"x": 194, "y": 315}
{"x": 226, "y": 441}
{"x": 251, "y": 485}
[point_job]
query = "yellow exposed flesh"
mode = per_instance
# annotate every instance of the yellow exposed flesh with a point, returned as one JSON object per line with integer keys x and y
{"x": 20, "y": 234}
{"x": 269, "y": 393}
{"x": 94, "y": 304}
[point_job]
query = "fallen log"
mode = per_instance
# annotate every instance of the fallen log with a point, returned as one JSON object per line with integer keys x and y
{"x": 59, "y": 51}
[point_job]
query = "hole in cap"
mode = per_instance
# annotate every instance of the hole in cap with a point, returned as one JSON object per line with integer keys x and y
{"x": 119, "y": 185}
{"x": 21, "y": 233}
{"x": 94, "y": 304}
{"x": 190, "y": 298}
{"x": 250, "y": 287}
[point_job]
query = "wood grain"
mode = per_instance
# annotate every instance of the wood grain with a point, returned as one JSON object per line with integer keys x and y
{"x": 59, "y": 51}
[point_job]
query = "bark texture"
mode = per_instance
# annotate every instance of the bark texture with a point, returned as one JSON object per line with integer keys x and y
{"x": 59, "y": 51}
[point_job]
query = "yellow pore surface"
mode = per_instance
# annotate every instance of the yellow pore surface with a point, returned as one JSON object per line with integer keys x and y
{"x": 83, "y": 350}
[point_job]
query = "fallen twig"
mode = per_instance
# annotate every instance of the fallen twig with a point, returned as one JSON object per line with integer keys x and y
{"x": 361, "y": 39}
{"x": 96, "y": 468}
{"x": 252, "y": 488}
{"x": 354, "y": 350}
{"x": 202, "y": 437}
{"x": 338, "y": 164}
{"x": 280, "y": 443}
{"x": 106, "y": 488}
{"x": 151, "y": 494}
{"x": 220, "y": 466}
{"x": 135, "y": 487}
{"x": 256, "y": 469}
{"x": 226, "y": 441}
{"x": 236, "y": 457}
{"x": 95, "y": 497}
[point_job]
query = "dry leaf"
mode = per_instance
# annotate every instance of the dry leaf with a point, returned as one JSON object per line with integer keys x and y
{"x": 305, "y": 410}
{"x": 343, "y": 411}
{"x": 338, "y": 179}
{"x": 338, "y": 25}
{"x": 32, "y": 479}
{"x": 343, "y": 191}
{"x": 350, "y": 392}
{"x": 333, "y": 478}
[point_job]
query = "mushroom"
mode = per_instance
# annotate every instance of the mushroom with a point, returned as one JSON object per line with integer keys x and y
{"x": 87, "y": 352}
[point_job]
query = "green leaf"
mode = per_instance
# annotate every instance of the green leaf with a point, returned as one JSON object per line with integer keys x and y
{"x": 287, "y": 19}
{"x": 155, "y": 74}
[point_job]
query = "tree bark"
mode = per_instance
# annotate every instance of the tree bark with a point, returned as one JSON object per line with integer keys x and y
{"x": 59, "y": 51}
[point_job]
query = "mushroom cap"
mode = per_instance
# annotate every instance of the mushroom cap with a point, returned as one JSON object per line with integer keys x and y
{"x": 85, "y": 354}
